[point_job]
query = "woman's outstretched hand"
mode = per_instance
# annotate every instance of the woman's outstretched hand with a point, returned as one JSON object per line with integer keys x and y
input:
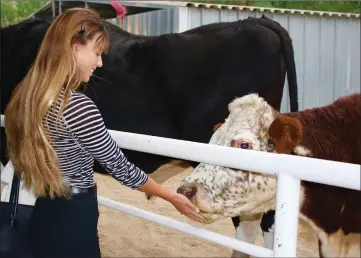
{"x": 179, "y": 201}
{"x": 186, "y": 207}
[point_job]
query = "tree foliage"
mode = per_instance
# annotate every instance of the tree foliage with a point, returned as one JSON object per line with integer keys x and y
{"x": 15, "y": 11}
{"x": 328, "y": 6}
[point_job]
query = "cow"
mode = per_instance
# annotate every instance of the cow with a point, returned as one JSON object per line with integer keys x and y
{"x": 331, "y": 132}
{"x": 174, "y": 85}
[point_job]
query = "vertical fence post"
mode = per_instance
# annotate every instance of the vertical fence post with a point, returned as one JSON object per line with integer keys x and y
{"x": 53, "y": 7}
{"x": 286, "y": 217}
{"x": 60, "y": 10}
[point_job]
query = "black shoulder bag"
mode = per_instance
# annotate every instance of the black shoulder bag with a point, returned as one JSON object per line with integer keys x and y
{"x": 14, "y": 223}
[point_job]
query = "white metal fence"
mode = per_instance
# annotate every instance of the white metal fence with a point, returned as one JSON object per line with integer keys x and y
{"x": 288, "y": 169}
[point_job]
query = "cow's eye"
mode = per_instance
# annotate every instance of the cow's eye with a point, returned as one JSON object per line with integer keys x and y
{"x": 270, "y": 146}
{"x": 244, "y": 145}
{"x": 241, "y": 144}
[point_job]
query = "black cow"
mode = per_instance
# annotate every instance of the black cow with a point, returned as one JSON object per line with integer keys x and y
{"x": 174, "y": 85}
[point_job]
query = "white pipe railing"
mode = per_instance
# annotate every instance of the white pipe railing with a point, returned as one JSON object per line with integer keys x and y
{"x": 226, "y": 241}
{"x": 289, "y": 170}
{"x": 303, "y": 168}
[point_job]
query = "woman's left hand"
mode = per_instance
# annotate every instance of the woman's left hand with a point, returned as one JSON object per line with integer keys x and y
{"x": 179, "y": 201}
{"x": 186, "y": 207}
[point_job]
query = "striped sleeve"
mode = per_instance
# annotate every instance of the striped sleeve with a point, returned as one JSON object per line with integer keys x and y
{"x": 86, "y": 124}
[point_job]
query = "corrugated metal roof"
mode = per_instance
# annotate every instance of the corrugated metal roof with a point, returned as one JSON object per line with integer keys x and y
{"x": 245, "y": 8}
{"x": 49, "y": 10}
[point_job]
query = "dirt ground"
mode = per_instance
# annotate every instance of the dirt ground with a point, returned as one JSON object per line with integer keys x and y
{"x": 123, "y": 235}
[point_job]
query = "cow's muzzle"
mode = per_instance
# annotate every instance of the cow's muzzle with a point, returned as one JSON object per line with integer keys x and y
{"x": 200, "y": 197}
{"x": 188, "y": 190}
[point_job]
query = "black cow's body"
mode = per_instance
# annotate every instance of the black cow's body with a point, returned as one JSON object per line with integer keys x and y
{"x": 174, "y": 85}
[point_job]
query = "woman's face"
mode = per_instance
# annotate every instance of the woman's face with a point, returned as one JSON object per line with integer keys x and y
{"x": 88, "y": 58}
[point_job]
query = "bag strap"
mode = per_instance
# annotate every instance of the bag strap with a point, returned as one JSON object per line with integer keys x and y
{"x": 14, "y": 198}
{"x": 13, "y": 187}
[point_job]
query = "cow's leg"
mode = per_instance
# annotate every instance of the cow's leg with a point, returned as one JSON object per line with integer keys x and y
{"x": 167, "y": 171}
{"x": 267, "y": 226}
{"x": 246, "y": 230}
{"x": 319, "y": 248}
{"x": 339, "y": 244}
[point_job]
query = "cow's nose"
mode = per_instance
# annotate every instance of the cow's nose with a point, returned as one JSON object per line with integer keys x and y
{"x": 188, "y": 191}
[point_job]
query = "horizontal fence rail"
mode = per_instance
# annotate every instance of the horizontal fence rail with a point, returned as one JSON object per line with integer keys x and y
{"x": 304, "y": 168}
{"x": 289, "y": 170}
{"x": 226, "y": 241}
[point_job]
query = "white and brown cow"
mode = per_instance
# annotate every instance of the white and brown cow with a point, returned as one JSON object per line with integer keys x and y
{"x": 332, "y": 132}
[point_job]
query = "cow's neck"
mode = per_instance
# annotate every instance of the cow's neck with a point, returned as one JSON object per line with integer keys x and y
{"x": 320, "y": 129}
{"x": 320, "y": 117}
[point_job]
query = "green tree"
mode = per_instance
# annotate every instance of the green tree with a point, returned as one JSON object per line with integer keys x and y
{"x": 326, "y": 6}
{"x": 15, "y": 11}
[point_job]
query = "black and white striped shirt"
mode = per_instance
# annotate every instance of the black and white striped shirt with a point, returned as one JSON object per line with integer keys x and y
{"x": 80, "y": 138}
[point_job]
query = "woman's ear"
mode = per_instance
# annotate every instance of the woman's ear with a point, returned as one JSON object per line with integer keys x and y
{"x": 286, "y": 132}
{"x": 76, "y": 48}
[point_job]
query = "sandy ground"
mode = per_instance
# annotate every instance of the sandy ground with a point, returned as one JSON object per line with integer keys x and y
{"x": 123, "y": 235}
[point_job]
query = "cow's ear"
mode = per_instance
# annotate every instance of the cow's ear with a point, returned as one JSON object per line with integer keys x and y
{"x": 215, "y": 128}
{"x": 286, "y": 132}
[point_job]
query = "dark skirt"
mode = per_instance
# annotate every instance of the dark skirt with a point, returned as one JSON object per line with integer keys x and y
{"x": 65, "y": 227}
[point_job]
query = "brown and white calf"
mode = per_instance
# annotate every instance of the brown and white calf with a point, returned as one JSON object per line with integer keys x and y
{"x": 332, "y": 132}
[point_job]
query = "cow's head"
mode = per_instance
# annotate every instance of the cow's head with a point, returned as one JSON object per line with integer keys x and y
{"x": 221, "y": 192}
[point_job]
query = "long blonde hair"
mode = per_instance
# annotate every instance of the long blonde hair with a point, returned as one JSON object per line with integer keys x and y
{"x": 28, "y": 143}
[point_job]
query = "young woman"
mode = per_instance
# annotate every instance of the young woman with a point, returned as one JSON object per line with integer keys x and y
{"x": 54, "y": 134}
